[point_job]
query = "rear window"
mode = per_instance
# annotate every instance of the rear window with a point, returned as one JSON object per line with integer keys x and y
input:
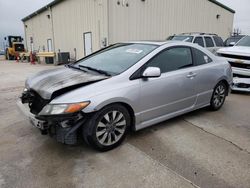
{"x": 183, "y": 38}
{"x": 218, "y": 41}
{"x": 209, "y": 42}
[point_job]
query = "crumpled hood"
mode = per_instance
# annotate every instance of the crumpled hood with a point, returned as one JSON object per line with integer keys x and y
{"x": 45, "y": 83}
{"x": 235, "y": 50}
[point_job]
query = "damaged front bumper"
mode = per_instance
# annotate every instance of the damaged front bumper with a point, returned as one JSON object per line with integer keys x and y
{"x": 40, "y": 124}
{"x": 62, "y": 128}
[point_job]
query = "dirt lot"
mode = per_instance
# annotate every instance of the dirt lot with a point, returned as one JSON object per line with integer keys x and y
{"x": 200, "y": 149}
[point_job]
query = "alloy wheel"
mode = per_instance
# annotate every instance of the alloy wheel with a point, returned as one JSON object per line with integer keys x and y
{"x": 219, "y": 96}
{"x": 111, "y": 128}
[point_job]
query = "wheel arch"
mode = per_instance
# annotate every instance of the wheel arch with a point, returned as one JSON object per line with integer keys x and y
{"x": 131, "y": 113}
{"x": 123, "y": 103}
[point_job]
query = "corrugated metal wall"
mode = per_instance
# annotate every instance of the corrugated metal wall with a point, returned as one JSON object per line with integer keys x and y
{"x": 69, "y": 20}
{"x": 40, "y": 29}
{"x": 72, "y": 18}
{"x": 157, "y": 19}
{"x": 140, "y": 20}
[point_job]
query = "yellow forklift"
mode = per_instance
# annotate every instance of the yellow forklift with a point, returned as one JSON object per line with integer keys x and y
{"x": 14, "y": 47}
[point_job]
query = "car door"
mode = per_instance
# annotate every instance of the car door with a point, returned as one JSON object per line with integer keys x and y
{"x": 174, "y": 90}
{"x": 205, "y": 80}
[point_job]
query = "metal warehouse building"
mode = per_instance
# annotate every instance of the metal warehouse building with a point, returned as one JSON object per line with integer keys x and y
{"x": 83, "y": 26}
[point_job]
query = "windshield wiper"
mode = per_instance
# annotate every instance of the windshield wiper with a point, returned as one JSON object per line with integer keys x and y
{"x": 73, "y": 67}
{"x": 96, "y": 70}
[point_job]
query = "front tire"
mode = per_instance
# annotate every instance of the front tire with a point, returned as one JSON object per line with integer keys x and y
{"x": 219, "y": 96}
{"x": 107, "y": 128}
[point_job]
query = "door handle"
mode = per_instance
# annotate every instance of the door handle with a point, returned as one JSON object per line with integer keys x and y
{"x": 191, "y": 75}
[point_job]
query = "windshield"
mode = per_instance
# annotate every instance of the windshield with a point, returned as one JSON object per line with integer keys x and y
{"x": 230, "y": 40}
{"x": 244, "y": 41}
{"x": 117, "y": 58}
{"x": 183, "y": 38}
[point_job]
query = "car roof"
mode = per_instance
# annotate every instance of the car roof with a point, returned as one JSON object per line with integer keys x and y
{"x": 153, "y": 42}
{"x": 160, "y": 43}
{"x": 197, "y": 34}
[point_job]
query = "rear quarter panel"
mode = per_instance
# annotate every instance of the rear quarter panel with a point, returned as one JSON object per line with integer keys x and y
{"x": 207, "y": 78}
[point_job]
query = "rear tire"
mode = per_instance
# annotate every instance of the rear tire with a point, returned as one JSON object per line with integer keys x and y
{"x": 219, "y": 96}
{"x": 107, "y": 128}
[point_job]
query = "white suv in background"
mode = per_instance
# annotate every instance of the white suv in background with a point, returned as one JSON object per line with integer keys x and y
{"x": 207, "y": 40}
{"x": 239, "y": 58}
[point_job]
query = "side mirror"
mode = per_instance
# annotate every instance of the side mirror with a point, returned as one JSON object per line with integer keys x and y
{"x": 152, "y": 72}
{"x": 232, "y": 43}
{"x": 5, "y": 38}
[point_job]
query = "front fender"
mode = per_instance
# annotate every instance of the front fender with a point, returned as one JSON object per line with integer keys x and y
{"x": 98, "y": 102}
{"x": 114, "y": 100}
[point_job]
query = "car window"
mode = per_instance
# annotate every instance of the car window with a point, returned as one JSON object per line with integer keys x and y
{"x": 201, "y": 58}
{"x": 199, "y": 40}
{"x": 218, "y": 41}
{"x": 172, "y": 59}
{"x": 209, "y": 42}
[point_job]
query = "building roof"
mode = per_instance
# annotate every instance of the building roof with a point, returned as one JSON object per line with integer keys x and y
{"x": 59, "y": 1}
{"x": 42, "y": 9}
{"x": 222, "y": 5}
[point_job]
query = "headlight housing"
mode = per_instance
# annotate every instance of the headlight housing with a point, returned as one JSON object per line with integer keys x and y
{"x": 58, "y": 109}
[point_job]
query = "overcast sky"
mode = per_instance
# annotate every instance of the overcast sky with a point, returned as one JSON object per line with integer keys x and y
{"x": 242, "y": 16}
{"x": 12, "y": 11}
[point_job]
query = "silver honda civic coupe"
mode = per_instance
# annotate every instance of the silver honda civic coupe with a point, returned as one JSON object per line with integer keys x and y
{"x": 126, "y": 86}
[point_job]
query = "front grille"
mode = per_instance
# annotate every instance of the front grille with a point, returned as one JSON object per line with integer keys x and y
{"x": 240, "y": 65}
{"x": 62, "y": 136}
{"x": 235, "y": 56}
